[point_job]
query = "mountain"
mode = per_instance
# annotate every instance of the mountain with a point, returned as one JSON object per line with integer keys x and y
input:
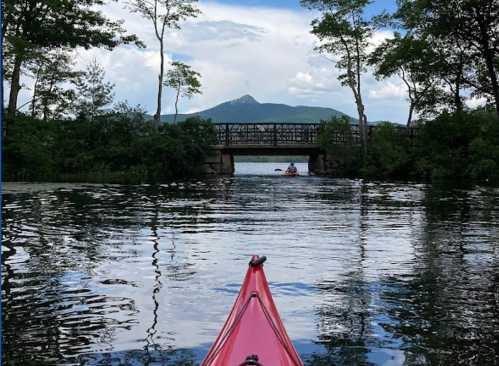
{"x": 247, "y": 109}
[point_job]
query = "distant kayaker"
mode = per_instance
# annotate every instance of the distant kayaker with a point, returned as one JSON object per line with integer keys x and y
{"x": 291, "y": 169}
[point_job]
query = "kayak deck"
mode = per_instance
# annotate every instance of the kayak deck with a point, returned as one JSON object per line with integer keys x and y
{"x": 253, "y": 333}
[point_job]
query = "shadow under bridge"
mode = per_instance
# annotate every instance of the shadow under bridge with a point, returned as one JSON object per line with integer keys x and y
{"x": 265, "y": 139}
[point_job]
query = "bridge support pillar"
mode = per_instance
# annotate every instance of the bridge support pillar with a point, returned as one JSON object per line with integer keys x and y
{"x": 317, "y": 164}
{"x": 219, "y": 162}
{"x": 227, "y": 164}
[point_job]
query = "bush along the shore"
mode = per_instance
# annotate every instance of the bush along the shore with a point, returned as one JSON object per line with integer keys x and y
{"x": 453, "y": 147}
{"x": 117, "y": 147}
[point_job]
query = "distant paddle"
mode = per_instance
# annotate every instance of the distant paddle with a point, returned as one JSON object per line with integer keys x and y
{"x": 277, "y": 170}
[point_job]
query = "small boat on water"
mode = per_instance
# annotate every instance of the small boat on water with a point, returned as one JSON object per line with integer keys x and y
{"x": 291, "y": 174}
{"x": 253, "y": 333}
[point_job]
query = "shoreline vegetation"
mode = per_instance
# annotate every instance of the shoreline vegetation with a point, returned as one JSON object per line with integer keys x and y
{"x": 457, "y": 148}
{"x": 111, "y": 148}
{"x": 124, "y": 147}
{"x": 446, "y": 56}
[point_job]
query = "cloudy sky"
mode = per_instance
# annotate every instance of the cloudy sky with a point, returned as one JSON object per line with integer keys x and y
{"x": 258, "y": 47}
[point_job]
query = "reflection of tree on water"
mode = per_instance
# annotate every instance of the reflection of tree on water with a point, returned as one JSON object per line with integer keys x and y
{"x": 7, "y": 298}
{"x": 154, "y": 352}
{"x": 56, "y": 239}
{"x": 51, "y": 310}
{"x": 151, "y": 331}
{"x": 344, "y": 323}
{"x": 447, "y": 312}
{"x": 178, "y": 357}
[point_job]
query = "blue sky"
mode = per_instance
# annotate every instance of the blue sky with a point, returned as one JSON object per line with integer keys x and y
{"x": 373, "y": 8}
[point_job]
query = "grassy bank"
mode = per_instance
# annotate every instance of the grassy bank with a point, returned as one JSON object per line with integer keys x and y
{"x": 459, "y": 148}
{"x": 112, "y": 148}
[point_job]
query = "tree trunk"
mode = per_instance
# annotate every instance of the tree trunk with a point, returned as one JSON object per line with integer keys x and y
{"x": 35, "y": 90}
{"x": 46, "y": 109}
{"x": 176, "y": 107}
{"x": 15, "y": 87}
{"x": 489, "y": 60}
{"x": 362, "y": 127}
{"x": 458, "y": 103}
{"x": 157, "y": 116}
{"x": 488, "y": 55}
{"x": 411, "y": 111}
{"x": 360, "y": 104}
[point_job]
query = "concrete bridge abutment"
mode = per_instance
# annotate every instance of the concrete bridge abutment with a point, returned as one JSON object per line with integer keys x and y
{"x": 219, "y": 162}
{"x": 317, "y": 164}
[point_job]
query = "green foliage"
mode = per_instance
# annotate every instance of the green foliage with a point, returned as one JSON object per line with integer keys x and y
{"x": 410, "y": 59}
{"x": 336, "y": 134}
{"x": 164, "y": 15}
{"x": 51, "y": 24}
{"x": 344, "y": 32}
{"x": 184, "y": 80}
{"x": 93, "y": 92}
{"x": 36, "y": 26}
{"x": 115, "y": 147}
{"x": 388, "y": 153}
{"x": 462, "y": 35}
{"x": 51, "y": 99}
{"x": 28, "y": 149}
{"x": 457, "y": 148}
{"x": 336, "y": 137}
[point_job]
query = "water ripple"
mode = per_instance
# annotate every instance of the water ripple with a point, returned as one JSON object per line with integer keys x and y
{"x": 362, "y": 272}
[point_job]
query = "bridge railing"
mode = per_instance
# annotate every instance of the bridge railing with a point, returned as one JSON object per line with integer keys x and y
{"x": 286, "y": 134}
{"x": 269, "y": 134}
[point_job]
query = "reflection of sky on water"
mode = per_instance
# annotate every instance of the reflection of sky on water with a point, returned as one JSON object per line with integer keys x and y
{"x": 361, "y": 272}
{"x": 267, "y": 168}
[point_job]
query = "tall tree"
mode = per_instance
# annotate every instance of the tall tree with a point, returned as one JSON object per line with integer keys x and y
{"x": 93, "y": 92}
{"x": 53, "y": 75}
{"x": 465, "y": 30}
{"x": 164, "y": 14}
{"x": 344, "y": 33}
{"x": 412, "y": 60}
{"x": 31, "y": 25}
{"x": 184, "y": 80}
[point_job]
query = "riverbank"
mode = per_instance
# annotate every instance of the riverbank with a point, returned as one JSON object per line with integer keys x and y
{"x": 460, "y": 148}
{"x": 112, "y": 148}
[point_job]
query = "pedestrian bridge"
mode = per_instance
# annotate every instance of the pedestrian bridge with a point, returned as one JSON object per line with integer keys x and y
{"x": 275, "y": 135}
{"x": 271, "y": 139}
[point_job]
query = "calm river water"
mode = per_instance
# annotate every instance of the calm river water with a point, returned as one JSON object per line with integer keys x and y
{"x": 362, "y": 273}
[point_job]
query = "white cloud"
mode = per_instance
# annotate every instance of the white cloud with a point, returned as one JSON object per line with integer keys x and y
{"x": 379, "y": 37}
{"x": 265, "y": 52}
{"x": 389, "y": 89}
{"x": 303, "y": 77}
{"x": 476, "y": 102}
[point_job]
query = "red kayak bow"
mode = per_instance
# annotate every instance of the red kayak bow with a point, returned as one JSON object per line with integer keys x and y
{"x": 253, "y": 333}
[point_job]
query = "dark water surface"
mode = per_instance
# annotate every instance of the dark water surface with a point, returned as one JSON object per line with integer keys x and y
{"x": 362, "y": 273}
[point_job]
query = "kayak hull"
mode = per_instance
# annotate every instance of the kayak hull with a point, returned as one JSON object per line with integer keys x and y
{"x": 253, "y": 328}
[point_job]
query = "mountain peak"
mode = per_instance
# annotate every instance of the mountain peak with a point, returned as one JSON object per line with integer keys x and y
{"x": 245, "y": 99}
{"x": 247, "y": 109}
